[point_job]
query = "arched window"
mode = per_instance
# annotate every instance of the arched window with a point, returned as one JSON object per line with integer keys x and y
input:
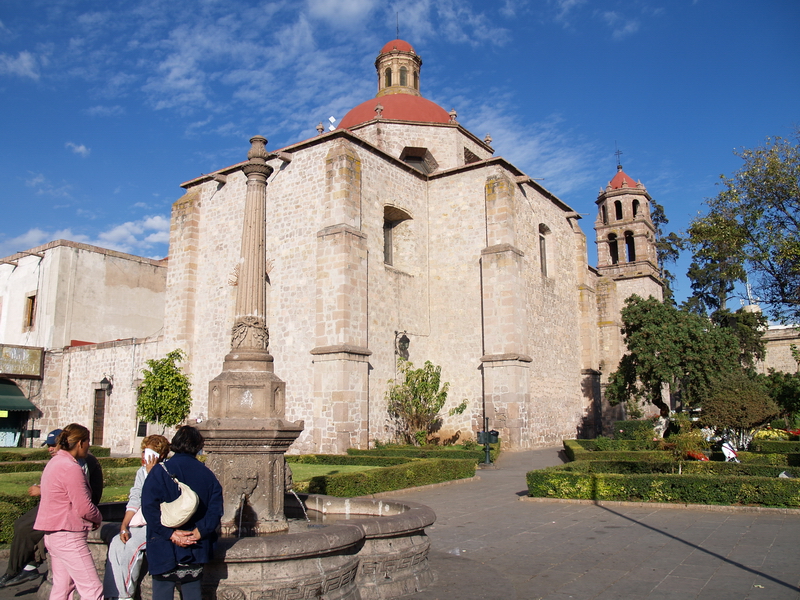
{"x": 604, "y": 214}
{"x": 618, "y": 210}
{"x": 630, "y": 246}
{"x": 416, "y": 80}
{"x": 635, "y": 208}
{"x": 393, "y": 219}
{"x": 613, "y": 248}
{"x": 403, "y": 76}
{"x": 388, "y": 78}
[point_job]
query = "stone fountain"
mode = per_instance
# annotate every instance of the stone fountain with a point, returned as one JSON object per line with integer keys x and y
{"x": 246, "y": 432}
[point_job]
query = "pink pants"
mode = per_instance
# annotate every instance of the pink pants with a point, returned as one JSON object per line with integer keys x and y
{"x": 72, "y": 565}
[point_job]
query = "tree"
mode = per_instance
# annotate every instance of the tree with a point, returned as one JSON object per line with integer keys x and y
{"x": 737, "y": 406}
{"x": 417, "y": 400}
{"x": 752, "y": 231}
{"x": 784, "y": 389}
{"x": 748, "y": 328}
{"x": 165, "y": 394}
{"x": 668, "y": 248}
{"x": 669, "y": 349}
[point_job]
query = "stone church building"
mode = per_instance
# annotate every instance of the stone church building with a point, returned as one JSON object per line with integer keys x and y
{"x": 398, "y": 232}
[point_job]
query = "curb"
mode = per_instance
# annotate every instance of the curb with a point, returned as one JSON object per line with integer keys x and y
{"x": 707, "y": 507}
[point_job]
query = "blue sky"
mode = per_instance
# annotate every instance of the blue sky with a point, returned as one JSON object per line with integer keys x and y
{"x": 108, "y": 106}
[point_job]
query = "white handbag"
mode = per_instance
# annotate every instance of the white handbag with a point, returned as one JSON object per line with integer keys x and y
{"x": 176, "y": 513}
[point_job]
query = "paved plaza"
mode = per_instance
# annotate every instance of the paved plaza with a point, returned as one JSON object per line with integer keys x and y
{"x": 491, "y": 543}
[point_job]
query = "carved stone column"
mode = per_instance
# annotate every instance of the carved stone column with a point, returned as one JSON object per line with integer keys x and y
{"x": 246, "y": 433}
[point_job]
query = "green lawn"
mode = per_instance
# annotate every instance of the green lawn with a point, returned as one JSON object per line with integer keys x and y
{"x": 304, "y": 472}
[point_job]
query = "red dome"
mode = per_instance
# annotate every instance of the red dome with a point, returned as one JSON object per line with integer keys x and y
{"x": 616, "y": 183}
{"x": 398, "y": 107}
{"x": 401, "y": 45}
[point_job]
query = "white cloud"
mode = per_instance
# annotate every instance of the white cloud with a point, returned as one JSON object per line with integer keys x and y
{"x": 621, "y": 27}
{"x": 105, "y": 111}
{"x": 136, "y": 236}
{"x": 341, "y": 13}
{"x": 78, "y": 149}
{"x": 24, "y": 65}
{"x": 45, "y": 187}
{"x": 564, "y": 8}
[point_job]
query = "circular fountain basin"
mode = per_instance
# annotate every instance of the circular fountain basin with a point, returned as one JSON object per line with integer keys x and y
{"x": 353, "y": 549}
{"x": 374, "y": 550}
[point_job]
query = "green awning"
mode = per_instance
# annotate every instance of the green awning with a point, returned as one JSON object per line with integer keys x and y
{"x": 12, "y": 398}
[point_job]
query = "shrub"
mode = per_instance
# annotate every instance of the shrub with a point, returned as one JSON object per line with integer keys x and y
{"x": 415, "y": 402}
{"x": 739, "y": 405}
{"x": 775, "y": 446}
{"x": 641, "y": 429}
{"x": 412, "y": 474}
{"x": 557, "y": 482}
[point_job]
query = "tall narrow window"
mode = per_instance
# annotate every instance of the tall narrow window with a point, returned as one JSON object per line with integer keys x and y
{"x": 630, "y": 246}
{"x": 30, "y": 311}
{"x": 604, "y": 214}
{"x": 388, "y": 78}
{"x": 618, "y": 210}
{"x": 388, "y": 242}
{"x": 416, "y": 80}
{"x": 395, "y": 236}
{"x": 635, "y": 208}
{"x": 613, "y": 248}
{"x": 544, "y": 230}
{"x": 403, "y": 76}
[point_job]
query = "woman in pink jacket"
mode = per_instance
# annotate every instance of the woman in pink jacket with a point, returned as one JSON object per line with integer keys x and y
{"x": 66, "y": 515}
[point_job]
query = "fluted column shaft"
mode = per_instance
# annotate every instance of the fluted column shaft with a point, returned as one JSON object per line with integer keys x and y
{"x": 250, "y": 327}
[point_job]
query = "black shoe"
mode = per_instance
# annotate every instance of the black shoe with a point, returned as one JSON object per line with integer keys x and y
{"x": 5, "y": 578}
{"x": 23, "y": 577}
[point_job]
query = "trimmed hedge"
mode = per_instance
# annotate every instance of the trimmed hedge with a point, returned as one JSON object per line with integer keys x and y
{"x": 584, "y": 450}
{"x": 11, "y": 508}
{"x": 557, "y": 482}
{"x": 758, "y": 458}
{"x": 24, "y": 466}
{"x": 410, "y": 474}
{"x": 21, "y": 454}
{"x": 339, "y": 459}
{"x": 775, "y": 446}
{"x": 477, "y": 453}
{"x": 630, "y": 467}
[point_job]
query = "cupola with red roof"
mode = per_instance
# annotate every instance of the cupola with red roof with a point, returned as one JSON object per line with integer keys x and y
{"x": 398, "y": 98}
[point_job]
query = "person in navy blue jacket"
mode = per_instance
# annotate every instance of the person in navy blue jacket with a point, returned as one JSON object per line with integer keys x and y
{"x": 177, "y": 556}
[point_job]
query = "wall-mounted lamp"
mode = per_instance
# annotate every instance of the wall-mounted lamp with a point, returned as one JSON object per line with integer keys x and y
{"x": 106, "y": 385}
{"x": 401, "y": 343}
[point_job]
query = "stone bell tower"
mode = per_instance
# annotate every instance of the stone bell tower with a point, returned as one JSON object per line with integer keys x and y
{"x": 627, "y": 264}
{"x": 246, "y": 433}
{"x": 626, "y": 243}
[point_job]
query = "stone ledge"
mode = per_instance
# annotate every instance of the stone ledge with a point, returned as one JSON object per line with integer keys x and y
{"x": 506, "y": 357}
{"x": 341, "y": 349}
{"x": 341, "y": 228}
{"x": 499, "y": 248}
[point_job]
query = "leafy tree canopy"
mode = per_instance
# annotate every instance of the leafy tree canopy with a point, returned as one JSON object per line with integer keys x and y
{"x": 165, "y": 394}
{"x": 668, "y": 248}
{"x": 737, "y": 405}
{"x": 752, "y": 230}
{"x": 668, "y": 347}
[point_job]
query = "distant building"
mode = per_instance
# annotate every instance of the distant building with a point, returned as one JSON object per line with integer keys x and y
{"x": 399, "y": 225}
{"x": 61, "y": 295}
